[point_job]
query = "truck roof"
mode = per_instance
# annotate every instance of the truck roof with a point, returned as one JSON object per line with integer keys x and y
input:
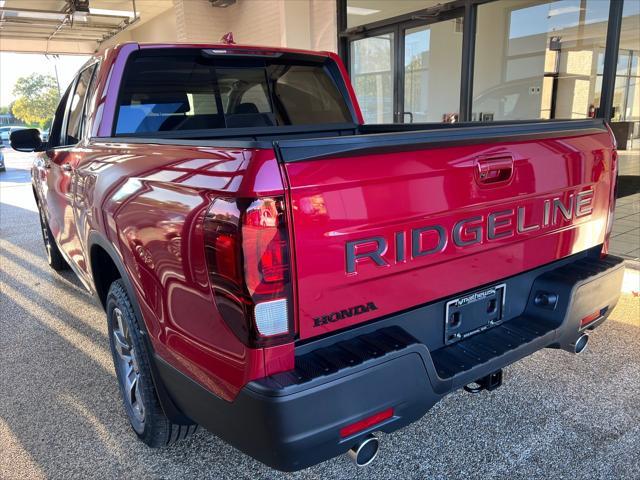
{"x": 226, "y": 47}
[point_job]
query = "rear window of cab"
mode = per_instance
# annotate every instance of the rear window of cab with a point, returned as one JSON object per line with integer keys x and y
{"x": 166, "y": 90}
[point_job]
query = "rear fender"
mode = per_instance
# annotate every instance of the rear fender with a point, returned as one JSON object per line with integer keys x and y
{"x": 168, "y": 406}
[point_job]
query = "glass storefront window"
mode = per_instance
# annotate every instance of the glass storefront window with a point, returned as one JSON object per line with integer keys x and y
{"x": 432, "y": 59}
{"x": 538, "y": 59}
{"x": 626, "y": 102}
{"x": 372, "y": 76}
{"x": 361, "y": 12}
{"x": 632, "y": 106}
{"x": 534, "y": 59}
{"x": 626, "y": 97}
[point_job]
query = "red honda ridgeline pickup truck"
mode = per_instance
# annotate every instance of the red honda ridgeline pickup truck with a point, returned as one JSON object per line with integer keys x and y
{"x": 294, "y": 280}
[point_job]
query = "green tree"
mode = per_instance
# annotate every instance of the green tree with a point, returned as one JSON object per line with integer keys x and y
{"x": 36, "y": 99}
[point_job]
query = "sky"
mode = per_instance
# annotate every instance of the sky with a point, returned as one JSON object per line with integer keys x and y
{"x": 16, "y": 65}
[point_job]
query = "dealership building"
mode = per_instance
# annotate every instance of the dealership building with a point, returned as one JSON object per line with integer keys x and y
{"x": 409, "y": 60}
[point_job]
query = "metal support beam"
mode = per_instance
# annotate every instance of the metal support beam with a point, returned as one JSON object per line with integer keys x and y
{"x": 49, "y": 27}
{"x": 57, "y": 30}
{"x": 16, "y": 36}
{"x": 341, "y": 16}
{"x": 468, "y": 57}
{"x": 611, "y": 59}
{"x": 27, "y": 11}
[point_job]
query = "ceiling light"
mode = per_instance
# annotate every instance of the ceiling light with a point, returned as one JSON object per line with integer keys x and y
{"x": 361, "y": 11}
{"x": 113, "y": 13}
{"x": 35, "y": 15}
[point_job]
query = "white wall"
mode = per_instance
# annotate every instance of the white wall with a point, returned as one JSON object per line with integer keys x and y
{"x": 252, "y": 22}
{"x": 161, "y": 28}
{"x": 306, "y": 24}
{"x": 323, "y": 25}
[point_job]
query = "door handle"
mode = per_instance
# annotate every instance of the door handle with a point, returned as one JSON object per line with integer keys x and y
{"x": 402, "y": 115}
{"x": 494, "y": 170}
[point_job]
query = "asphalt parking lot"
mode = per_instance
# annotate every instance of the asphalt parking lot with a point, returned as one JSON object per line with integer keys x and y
{"x": 557, "y": 415}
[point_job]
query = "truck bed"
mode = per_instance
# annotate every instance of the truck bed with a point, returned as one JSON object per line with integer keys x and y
{"x": 358, "y": 188}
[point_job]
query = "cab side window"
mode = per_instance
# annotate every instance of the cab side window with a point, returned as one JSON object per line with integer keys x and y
{"x": 76, "y": 107}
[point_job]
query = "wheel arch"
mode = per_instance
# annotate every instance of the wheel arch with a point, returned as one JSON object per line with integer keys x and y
{"x": 106, "y": 267}
{"x": 105, "y": 255}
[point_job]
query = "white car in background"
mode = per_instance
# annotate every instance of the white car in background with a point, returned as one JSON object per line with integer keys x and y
{"x": 5, "y": 142}
{"x": 5, "y": 132}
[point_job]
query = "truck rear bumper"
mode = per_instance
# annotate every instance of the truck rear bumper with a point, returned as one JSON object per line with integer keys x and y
{"x": 292, "y": 420}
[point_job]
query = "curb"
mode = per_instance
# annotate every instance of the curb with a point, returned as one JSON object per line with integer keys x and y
{"x": 632, "y": 264}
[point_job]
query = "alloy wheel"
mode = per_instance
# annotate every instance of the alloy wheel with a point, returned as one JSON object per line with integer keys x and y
{"x": 128, "y": 365}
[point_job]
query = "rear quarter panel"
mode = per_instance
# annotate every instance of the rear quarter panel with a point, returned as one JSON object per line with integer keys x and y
{"x": 150, "y": 201}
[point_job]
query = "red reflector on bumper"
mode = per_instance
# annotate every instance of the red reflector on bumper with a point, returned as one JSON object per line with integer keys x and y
{"x": 590, "y": 318}
{"x": 365, "y": 423}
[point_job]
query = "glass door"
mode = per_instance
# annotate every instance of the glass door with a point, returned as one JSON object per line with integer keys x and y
{"x": 409, "y": 71}
{"x": 373, "y": 76}
{"x": 432, "y": 71}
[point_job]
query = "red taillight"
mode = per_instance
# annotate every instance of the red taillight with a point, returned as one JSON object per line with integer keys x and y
{"x": 366, "y": 423}
{"x": 247, "y": 250}
{"x": 265, "y": 247}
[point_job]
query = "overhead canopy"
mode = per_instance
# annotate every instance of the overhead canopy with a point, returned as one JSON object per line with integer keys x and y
{"x": 69, "y": 26}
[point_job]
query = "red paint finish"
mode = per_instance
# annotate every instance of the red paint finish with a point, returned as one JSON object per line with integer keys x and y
{"x": 109, "y": 78}
{"x": 148, "y": 202}
{"x": 279, "y": 359}
{"x": 339, "y": 200}
{"x": 157, "y": 209}
{"x": 54, "y": 170}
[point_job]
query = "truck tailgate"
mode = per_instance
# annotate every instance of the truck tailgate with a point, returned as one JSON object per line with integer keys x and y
{"x": 386, "y": 222}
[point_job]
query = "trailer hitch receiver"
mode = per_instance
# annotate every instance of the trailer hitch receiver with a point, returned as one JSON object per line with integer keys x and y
{"x": 489, "y": 382}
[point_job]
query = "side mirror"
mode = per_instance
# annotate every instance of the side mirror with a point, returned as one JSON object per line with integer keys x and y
{"x": 27, "y": 140}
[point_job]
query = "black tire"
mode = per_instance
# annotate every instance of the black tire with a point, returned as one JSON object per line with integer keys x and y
{"x": 54, "y": 257}
{"x": 140, "y": 402}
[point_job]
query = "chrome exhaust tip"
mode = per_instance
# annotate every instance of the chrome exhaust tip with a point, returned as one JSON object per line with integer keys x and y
{"x": 580, "y": 344}
{"x": 365, "y": 452}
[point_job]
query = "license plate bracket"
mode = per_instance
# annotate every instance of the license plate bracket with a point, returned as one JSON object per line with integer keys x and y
{"x": 473, "y": 313}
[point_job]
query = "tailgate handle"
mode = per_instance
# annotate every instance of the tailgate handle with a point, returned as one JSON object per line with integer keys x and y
{"x": 494, "y": 170}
